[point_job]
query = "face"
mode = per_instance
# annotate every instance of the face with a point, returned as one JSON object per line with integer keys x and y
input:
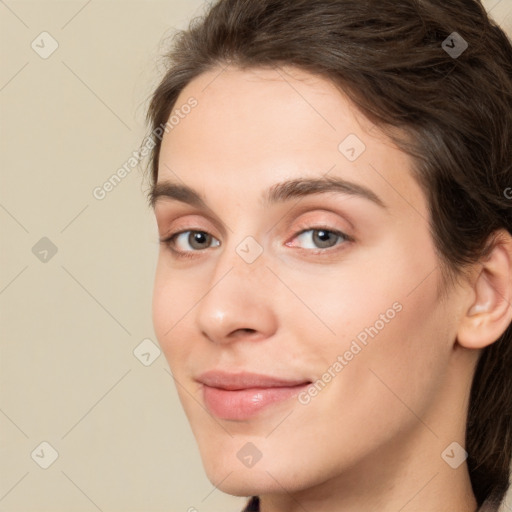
{"x": 296, "y": 293}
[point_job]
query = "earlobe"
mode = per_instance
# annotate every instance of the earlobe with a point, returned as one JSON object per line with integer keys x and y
{"x": 490, "y": 311}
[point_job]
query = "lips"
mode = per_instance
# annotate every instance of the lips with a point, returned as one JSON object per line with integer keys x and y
{"x": 240, "y": 396}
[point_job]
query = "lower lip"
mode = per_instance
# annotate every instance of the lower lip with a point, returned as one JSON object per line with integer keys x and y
{"x": 244, "y": 403}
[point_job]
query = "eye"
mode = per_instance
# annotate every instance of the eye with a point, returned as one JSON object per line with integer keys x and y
{"x": 321, "y": 238}
{"x": 197, "y": 240}
{"x": 185, "y": 243}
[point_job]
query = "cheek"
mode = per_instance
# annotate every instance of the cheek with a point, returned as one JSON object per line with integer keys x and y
{"x": 347, "y": 302}
{"x": 162, "y": 304}
{"x": 169, "y": 307}
{"x": 384, "y": 315}
{"x": 400, "y": 366}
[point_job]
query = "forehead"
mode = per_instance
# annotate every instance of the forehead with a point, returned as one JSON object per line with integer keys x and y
{"x": 254, "y": 127}
{"x": 281, "y": 109}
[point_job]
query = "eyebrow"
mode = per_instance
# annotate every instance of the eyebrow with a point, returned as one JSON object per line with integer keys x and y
{"x": 278, "y": 193}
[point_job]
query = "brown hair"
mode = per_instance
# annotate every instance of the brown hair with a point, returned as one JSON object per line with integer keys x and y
{"x": 452, "y": 114}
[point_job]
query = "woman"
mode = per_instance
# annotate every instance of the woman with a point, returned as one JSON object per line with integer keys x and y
{"x": 331, "y": 185}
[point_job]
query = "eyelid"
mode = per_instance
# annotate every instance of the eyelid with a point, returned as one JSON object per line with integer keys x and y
{"x": 181, "y": 215}
{"x": 323, "y": 252}
{"x": 325, "y": 211}
{"x": 319, "y": 224}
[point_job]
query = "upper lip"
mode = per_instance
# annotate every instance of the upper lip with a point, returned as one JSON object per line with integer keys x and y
{"x": 245, "y": 380}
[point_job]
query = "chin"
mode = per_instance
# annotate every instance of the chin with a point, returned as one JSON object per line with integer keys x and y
{"x": 226, "y": 470}
{"x": 247, "y": 482}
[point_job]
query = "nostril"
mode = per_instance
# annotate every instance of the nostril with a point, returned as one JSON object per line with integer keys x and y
{"x": 243, "y": 331}
{"x": 248, "y": 330}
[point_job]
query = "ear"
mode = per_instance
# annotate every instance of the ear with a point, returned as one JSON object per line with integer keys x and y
{"x": 489, "y": 309}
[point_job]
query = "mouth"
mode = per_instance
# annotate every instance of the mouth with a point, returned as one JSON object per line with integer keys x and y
{"x": 240, "y": 396}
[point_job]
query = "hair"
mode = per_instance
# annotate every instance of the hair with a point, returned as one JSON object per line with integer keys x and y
{"x": 452, "y": 115}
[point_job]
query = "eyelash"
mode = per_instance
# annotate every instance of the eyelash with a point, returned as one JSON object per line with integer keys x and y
{"x": 170, "y": 241}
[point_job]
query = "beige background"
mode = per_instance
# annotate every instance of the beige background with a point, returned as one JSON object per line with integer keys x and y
{"x": 72, "y": 320}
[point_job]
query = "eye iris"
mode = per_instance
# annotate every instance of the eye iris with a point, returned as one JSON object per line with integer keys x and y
{"x": 198, "y": 237}
{"x": 322, "y": 235}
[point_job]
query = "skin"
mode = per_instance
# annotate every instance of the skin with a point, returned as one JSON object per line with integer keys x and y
{"x": 372, "y": 438}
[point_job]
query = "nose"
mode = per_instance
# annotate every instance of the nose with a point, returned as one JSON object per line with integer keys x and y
{"x": 238, "y": 301}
